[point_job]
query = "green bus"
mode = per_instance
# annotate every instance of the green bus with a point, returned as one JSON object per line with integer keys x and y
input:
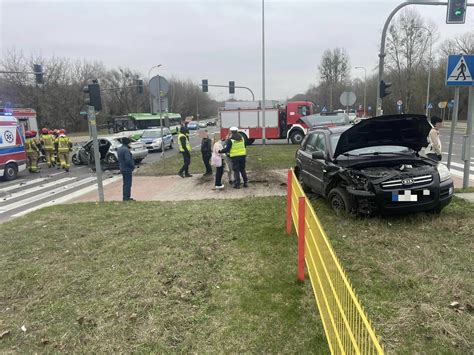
{"x": 138, "y": 122}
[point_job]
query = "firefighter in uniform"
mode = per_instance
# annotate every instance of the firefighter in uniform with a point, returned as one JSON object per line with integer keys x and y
{"x": 235, "y": 146}
{"x": 47, "y": 141}
{"x": 64, "y": 146}
{"x": 185, "y": 150}
{"x": 55, "y": 146}
{"x": 32, "y": 152}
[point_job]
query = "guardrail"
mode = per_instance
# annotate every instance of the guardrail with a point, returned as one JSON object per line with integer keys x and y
{"x": 347, "y": 327}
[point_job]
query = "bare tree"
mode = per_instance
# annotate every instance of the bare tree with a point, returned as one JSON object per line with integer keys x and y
{"x": 407, "y": 50}
{"x": 463, "y": 44}
{"x": 334, "y": 70}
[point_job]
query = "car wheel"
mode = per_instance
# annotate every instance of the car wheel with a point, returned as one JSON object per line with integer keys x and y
{"x": 75, "y": 160}
{"x": 305, "y": 187}
{"x": 10, "y": 172}
{"x": 340, "y": 200}
{"x": 111, "y": 159}
{"x": 297, "y": 137}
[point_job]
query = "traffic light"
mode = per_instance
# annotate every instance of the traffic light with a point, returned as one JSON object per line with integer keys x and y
{"x": 204, "y": 86}
{"x": 231, "y": 87}
{"x": 94, "y": 98}
{"x": 456, "y": 12}
{"x": 38, "y": 70}
{"x": 384, "y": 89}
{"x": 140, "y": 86}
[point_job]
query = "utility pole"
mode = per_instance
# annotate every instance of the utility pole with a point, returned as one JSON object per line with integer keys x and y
{"x": 263, "y": 74}
{"x": 365, "y": 88}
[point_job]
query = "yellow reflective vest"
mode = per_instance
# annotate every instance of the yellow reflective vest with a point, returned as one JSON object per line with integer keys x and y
{"x": 188, "y": 145}
{"x": 238, "y": 148}
{"x": 48, "y": 141}
{"x": 30, "y": 145}
{"x": 63, "y": 144}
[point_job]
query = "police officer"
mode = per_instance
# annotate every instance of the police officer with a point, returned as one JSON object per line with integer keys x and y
{"x": 32, "y": 151}
{"x": 185, "y": 150}
{"x": 235, "y": 146}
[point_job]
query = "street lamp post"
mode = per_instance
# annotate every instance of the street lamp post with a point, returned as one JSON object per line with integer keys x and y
{"x": 365, "y": 88}
{"x": 429, "y": 69}
{"x": 263, "y": 73}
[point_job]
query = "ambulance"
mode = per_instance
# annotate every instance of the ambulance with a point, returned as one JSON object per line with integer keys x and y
{"x": 12, "y": 148}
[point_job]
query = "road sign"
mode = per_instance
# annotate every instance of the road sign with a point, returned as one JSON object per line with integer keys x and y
{"x": 159, "y": 87}
{"x": 442, "y": 104}
{"x": 430, "y": 106}
{"x": 399, "y": 103}
{"x": 459, "y": 70}
{"x": 451, "y": 105}
{"x": 348, "y": 98}
{"x": 324, "y": 109}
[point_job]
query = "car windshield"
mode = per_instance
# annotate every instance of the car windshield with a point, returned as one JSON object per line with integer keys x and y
{"x": 152, "y": 134}
{"x": 380, "y": 149}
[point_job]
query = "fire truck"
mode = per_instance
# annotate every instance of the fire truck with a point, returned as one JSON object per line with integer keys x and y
{"x": 281, "y": 122}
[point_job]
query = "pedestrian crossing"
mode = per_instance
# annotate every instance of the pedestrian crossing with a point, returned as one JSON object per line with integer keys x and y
{"x": 21, "y": 197}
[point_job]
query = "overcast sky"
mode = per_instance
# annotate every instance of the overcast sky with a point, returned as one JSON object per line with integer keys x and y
{"x": 215, "y": 40}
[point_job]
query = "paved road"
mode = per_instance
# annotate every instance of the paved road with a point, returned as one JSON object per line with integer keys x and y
{"x": 52, "y": 186}
{"x": 457, "y": 165}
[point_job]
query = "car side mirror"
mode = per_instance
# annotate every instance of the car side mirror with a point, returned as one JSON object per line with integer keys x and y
{"x": 319, "y": 155}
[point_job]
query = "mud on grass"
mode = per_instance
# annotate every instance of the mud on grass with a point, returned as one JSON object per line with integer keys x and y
{"x": 407, "y": 271}
{"x": 204, "y": 276}
{"x": 259, "y": 158}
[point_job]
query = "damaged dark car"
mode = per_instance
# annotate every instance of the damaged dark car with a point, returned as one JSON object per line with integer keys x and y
{"x": 374, "y": 167}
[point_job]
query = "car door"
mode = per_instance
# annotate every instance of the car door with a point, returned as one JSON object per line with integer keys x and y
{"x": 167, "y": 137}
{"x": 318, "y": 166}
{"x": 306, "y": 160}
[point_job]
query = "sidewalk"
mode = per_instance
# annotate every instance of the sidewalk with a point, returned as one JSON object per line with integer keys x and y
{"x": 174, "y": 188}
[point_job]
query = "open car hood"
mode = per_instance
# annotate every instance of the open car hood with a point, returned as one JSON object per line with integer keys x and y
{"x": 408, "y": 130}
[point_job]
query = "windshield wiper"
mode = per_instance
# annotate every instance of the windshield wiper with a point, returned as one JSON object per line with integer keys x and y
{"x": 350, "y": 155}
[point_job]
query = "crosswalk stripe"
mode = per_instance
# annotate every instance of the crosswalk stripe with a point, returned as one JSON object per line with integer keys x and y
{"x": 35, "y": 189}
{"x": 36, "y": 198}
{"x": 66, "y": 198}
{"x": 460, "y": 173}
{"x": 21, "y": 184}
{"x": 461, "y": 165}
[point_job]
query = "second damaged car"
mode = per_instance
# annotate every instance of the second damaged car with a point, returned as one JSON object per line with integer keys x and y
{"x": 374, "y": 166}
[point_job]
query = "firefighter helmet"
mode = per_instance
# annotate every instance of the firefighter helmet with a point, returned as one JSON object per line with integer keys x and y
{"x": 44, "y": 130}
{"x": 50, "y": 132}
{"x": 33, "y": 133}
{"x": 29, "y": 134}
{"x": 62, "y": 131}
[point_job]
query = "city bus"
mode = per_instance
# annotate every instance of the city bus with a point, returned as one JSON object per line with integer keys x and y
{"x": 138, "y": 122}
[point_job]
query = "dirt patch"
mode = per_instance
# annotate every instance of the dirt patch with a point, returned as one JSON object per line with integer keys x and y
{"x": 175, "y": 188}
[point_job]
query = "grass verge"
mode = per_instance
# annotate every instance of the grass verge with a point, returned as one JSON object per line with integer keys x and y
{"x": 259, "y": 158}
{"x": 407, "y": 271}
{"x": 469, "y": 189}
{"x": 151, "y": 277}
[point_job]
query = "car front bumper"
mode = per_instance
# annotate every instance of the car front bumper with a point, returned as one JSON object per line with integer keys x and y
{"x": 139, "y": 154}
{"x": 432, "y": 196}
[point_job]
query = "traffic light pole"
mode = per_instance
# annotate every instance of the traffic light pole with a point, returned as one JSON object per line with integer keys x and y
{"x": 98, "y": 169}
{"x": 382, "y": 42}
{"x": 467, "y": 139}
{"x": 227, "y": 86}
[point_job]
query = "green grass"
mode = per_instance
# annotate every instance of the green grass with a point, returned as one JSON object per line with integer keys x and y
{"x": 205, "y": 276}
{"x": 258, "y": 158}
{"x": 407, "y": 270}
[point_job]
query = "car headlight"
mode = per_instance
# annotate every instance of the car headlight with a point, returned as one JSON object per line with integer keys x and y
{"x": 444, "y": 173}
{"x": 157, "y": 141}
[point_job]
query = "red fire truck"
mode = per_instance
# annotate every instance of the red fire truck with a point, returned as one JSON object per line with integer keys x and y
{"x": 281, "y": 122}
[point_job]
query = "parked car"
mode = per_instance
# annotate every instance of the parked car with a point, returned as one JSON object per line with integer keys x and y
{"x": 193, "y": 125}
{"x": 153, "y": 140}
{"x": 202, "y": 124}
{"x": 374, "y": 166}
{"x": 328, "y": 119}
{"x": 84, "y": 154}
{"x": 211, "y": 123}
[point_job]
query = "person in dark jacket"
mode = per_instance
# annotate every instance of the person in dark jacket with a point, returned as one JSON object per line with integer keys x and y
{"x": 235, "y": 146}
{"x": 185, "y": 150}
{"x": 206, "y": 151}
{"x": 127, "y": 165}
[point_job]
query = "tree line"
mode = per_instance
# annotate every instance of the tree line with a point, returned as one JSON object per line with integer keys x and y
{"x": 406, "y": 68}
{"x": 59, "y": 100}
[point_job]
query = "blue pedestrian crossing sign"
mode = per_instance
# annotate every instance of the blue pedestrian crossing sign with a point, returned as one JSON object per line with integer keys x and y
{"x": 324, "y": 109}
{"x": 459, "y": 70}
{"x": 430, "y": 106}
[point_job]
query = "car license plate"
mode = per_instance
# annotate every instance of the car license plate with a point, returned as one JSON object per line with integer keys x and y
{"x": 409, "y": 195}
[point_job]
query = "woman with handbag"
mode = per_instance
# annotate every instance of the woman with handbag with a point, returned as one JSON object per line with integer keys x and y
{"x": 217, "y": 161}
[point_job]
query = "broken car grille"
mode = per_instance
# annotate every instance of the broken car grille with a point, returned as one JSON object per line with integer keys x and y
{"x": 407, "y": 182}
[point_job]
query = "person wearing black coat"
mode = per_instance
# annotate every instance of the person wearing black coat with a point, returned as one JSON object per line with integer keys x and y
{"x": 206, "y": 151}
{"x": 127, "y": 165}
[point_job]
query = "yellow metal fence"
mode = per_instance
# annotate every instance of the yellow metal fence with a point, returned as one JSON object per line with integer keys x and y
{"x": 347, "y": 327}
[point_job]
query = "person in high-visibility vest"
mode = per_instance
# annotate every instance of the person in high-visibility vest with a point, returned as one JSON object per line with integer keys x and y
{"x": 64, "y": 147}
{"x": 32, "y": 151}
{"x": 185, "y": 150}
{"x": 235, "y": 146}
{"x": 47, "y": 141}
{"x": 55, "y": 145}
